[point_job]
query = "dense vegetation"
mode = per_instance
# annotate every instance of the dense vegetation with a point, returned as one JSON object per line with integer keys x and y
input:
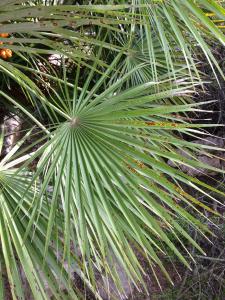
{"x": 103, "y": 168}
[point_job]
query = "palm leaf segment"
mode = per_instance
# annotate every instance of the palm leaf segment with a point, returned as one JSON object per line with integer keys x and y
{"x": 22, "y": 259}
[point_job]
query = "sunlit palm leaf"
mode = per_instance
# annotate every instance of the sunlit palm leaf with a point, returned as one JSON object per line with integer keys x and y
{"x": 102, "y": 187}
{"x": 22, "y": 260}
{"x": 106, "y": 163}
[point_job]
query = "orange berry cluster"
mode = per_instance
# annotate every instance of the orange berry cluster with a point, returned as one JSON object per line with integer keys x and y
{"x": 5, "y": 53}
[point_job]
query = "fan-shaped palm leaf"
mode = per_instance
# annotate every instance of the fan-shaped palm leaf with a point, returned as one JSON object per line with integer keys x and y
{"x": 102, "y": 187}
{"x": 105, "y": 159}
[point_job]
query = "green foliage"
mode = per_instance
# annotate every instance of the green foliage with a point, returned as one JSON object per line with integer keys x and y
{"x": 107, "y": 126}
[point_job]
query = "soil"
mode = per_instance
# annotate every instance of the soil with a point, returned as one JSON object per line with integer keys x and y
{"x": 154, "y": 290}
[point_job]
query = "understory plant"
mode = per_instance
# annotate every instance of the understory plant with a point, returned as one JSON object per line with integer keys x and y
{"x": 93, "y": 187}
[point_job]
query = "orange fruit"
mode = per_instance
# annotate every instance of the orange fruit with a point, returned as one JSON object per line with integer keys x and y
{"x": 1, "y": 43}
{"x": 8, "y": 52}
{"x": 4, "y": 35}
{"x": 3, "y": 54}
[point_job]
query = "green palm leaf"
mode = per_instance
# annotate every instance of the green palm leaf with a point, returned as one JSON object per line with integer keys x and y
{"x": 109, "y": 176}
{"x": 102, "y": 188}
